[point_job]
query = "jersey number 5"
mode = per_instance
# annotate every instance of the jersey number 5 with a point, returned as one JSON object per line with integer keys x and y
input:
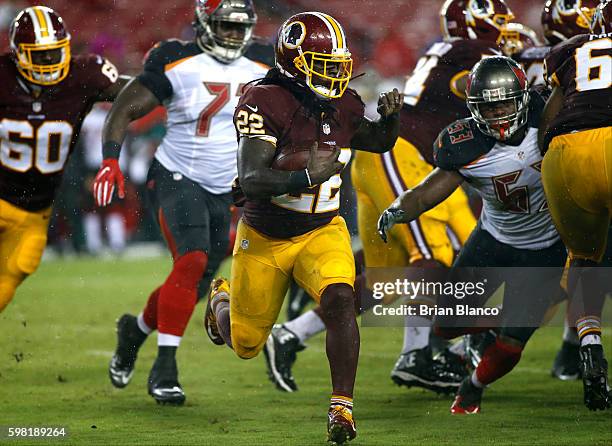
{"x": 22, "y": 146}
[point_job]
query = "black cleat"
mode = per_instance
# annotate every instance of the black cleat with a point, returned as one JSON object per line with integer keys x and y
{"x": 567, "y": 362}
{"x": 417, "y": 369}
{"x": 129, "y": 340}
{"x": 468, "y": 399}
{"x": 163, "y": 382}
{"x": 280, "y": 352}
{"x": 476, "y": 344}
{"x": 594, "y": 369}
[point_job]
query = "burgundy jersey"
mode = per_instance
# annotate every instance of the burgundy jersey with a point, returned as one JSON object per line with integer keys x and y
{"x": 272, "y": 113}
{"x": 38, "y": 132}
{"x": 582, "y": 68}
{"x": 532, "y": 60}
{"x": 431, "y": 100}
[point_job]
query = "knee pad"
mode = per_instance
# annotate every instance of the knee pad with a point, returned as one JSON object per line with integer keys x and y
{"x": 247, "y": 340}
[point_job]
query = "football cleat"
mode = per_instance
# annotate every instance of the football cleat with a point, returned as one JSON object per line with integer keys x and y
{"x": 417, "y": 369}
{"x": 129, "y": 340}
{"x": 163, "y": 382}
{"x": 280, "y": 353}
{"x": 594, "y": 369}
{"x": 340, "y": 425}
{"x": 219, "y": 289}
{"x": 567, "y": 362}
{"x": 468, "y": 399}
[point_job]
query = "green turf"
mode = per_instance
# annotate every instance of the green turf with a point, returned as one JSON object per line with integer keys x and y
{"x": 58, "y": 335}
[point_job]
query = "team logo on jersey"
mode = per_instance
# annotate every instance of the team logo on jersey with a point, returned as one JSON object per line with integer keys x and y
{"x": 294, "y": 34}
{"x": 521, "y": 155}
{"x": 36, "y": 107}
{"x": 326, "y": 128}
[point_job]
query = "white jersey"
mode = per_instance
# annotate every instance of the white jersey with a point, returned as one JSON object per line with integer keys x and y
{"x": 507, "y": 178}
{"x": 200, "y": 95}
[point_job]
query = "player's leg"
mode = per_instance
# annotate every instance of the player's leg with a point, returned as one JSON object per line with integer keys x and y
{"x": 242, "y": 317}
{"x": 325, "y": 268}
{"x": 23, "y": 236}
{"x": 575, "y": 174}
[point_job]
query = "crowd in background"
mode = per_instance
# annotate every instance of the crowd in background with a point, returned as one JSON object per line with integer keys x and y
{"x": 386, "y": 40}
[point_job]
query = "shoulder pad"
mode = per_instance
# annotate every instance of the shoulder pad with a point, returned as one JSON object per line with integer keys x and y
{"x": 459, "y": 144}
{"x": 168, "y": 51}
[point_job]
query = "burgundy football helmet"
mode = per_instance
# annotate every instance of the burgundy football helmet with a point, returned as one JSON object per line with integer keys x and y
{"x": 39, "y": 31}
{"x": 476, "y": 19}
{"x": 562, "y": 19}
{"x": 224, "y": 27}
{"x": 520, "y": 37}
{"x": 601, "y": 19}
{"x": 312, "y": 48}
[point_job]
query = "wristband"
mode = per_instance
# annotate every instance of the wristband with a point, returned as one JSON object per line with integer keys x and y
{"x": 298, "y": 180}
{"x": 111, "y": 149}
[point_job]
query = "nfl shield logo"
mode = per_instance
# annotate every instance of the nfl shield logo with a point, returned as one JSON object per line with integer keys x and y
{"x": 36, "y": 107}
{"x": 326, "y": 128}
{"x": 244, "y": 243}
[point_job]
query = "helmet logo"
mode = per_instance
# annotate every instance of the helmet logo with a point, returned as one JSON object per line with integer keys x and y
{"x": 210, "y": 6}
{"x": 495, "y": 94}
{"x": 481, "y": 8}
{"x": 293, "y": 35}
{"x": 567, "y": 7}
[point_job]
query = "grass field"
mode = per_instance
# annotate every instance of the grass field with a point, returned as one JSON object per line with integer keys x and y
{"x": 58, "y": 336}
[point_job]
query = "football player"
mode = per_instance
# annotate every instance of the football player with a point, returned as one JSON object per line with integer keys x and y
{"x": 302, "y": 112}
{"x": 496, "y": 152}
{"x": 433, "y": 98}
{"x": 46, "y": 93}
{"x": 189, "y": 181}
{"x": 576, "y": 136}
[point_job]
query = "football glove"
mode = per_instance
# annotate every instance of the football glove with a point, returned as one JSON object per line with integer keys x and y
{"x": 387, "y": 220}
{"x": 104, "y": 183}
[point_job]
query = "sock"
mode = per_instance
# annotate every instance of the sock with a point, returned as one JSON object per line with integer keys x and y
{"x": 165, "y": 352}
{"x": 341, "y": 400}
{"x": 305, "y": 326}
{"x": 497, "y": 360}
{"x": 142, "y": 325}
{"x": 416, "y": 333}
{"x": 570, "y": 334}
{"x": 476, "y": 382}
{"x": 589, "y": 330}
{"x": 149, "y": 314}
{"x": 178, "y": 296}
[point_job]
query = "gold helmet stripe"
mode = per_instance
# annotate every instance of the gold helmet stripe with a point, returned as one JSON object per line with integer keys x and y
{"x": 338, "y": 30}
{"x": 330, "y": 27}
{"x": 42, "y": 21}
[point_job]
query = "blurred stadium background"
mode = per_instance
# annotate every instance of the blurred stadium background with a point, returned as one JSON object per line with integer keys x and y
{"x": 386, "y": 37}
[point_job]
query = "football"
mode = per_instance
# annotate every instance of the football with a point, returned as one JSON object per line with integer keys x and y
{"x": 297, "y": 159}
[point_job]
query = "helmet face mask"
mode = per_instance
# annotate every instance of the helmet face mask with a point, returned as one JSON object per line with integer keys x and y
{"x": 40, "y": 46}
{"x": 563, "y": 19}
{"x": 224, "y": 27}
{"x": 311, "y": 48}
{"x": 497, "y": 97}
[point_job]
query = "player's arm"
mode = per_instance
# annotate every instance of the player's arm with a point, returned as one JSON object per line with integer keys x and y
{"x": 113, "y": 90}
{"x": 380, "y": 136}
{"x": 133, "y": 101}
{"x": 433, "y": 190}
{"x": 551, "y": 110}
{"x": 259, "y": 180}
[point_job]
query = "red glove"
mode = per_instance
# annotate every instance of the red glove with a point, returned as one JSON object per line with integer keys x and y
{"x": 104, "y": 183}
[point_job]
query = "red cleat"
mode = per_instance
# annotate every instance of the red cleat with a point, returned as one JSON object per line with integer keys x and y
{"x": 468, "y": 399}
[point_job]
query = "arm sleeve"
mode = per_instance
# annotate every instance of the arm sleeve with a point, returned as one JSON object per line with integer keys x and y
{"x": 261, "y": 113}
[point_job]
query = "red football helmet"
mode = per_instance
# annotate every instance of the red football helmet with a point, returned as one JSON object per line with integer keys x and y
{"x": 224, "y": 27}
{"x": 521, "y": 38}
{"x": 476, "y": 19}
{"x": 40, "y": 45}
{"x": 312, "y": 47}
{"x": 562, "y": 19}
{"x": 601, "y": 19}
